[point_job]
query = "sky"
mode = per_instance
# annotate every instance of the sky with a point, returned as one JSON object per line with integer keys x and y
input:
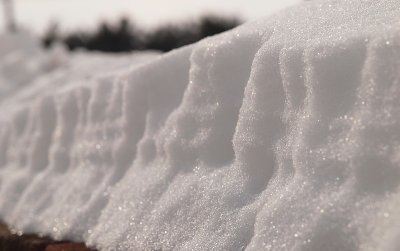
{"x": 36, "y": 15}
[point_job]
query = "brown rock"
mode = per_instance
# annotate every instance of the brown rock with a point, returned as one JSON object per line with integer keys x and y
{"x": 23, "y": 243}
{"x": 67, "y": 247}
{"x": 30, "y": 242}
{"x": 4, "y": 230}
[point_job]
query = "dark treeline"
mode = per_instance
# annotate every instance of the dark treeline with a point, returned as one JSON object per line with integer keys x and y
{"x": 124, "y": 36}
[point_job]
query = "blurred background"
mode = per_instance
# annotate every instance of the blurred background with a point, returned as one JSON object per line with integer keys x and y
{"x": 127, "y": 25}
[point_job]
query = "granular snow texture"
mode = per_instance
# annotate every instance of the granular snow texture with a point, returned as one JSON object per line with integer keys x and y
{"x": 283, "y": 134}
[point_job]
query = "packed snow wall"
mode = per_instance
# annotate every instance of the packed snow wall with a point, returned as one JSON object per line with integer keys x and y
{"x": 283, "y": 134}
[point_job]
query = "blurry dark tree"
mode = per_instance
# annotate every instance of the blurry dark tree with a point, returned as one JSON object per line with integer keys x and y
{"x": 121, "y": 38}
{"x": 170, "y": 37}
{"x": 211, "y": 25}
{"x": 125, "y": 37}
{"x": 51, "y": 35}
{"x": 108, "y": 38}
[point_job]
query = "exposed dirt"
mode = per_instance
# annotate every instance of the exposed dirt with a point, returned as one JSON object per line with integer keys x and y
{"x": 30, "y": 242}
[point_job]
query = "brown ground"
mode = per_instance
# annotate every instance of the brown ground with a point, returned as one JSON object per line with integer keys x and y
{"x": 30, "y": 242}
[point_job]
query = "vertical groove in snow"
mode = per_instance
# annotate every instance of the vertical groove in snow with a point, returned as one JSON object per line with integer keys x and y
{"x": 257, "y": 133}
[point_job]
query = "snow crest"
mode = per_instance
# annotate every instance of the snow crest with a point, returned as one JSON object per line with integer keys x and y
{"x": 282, "y": 134}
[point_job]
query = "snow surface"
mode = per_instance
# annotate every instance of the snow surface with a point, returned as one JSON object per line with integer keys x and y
{"x": 282, "y": 134}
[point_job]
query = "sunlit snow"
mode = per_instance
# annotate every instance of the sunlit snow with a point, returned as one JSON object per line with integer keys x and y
{"x": 283, "y": 134}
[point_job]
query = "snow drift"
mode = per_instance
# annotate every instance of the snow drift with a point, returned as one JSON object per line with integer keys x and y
{"x": 282, "y": 134}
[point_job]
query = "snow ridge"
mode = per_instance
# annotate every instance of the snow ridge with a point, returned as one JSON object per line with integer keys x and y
{"x": 279, "y": 135}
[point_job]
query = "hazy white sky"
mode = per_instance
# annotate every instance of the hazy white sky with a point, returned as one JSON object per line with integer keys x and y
{"x": 73, "y": 14}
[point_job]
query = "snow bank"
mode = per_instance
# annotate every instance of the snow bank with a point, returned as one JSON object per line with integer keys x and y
{"x": 282, "y": 134}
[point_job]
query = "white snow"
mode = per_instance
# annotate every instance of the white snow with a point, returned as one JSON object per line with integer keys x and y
{"x": 282, "y": 134}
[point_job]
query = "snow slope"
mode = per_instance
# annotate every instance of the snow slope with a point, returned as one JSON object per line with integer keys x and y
{"x": 282, "y": 134}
